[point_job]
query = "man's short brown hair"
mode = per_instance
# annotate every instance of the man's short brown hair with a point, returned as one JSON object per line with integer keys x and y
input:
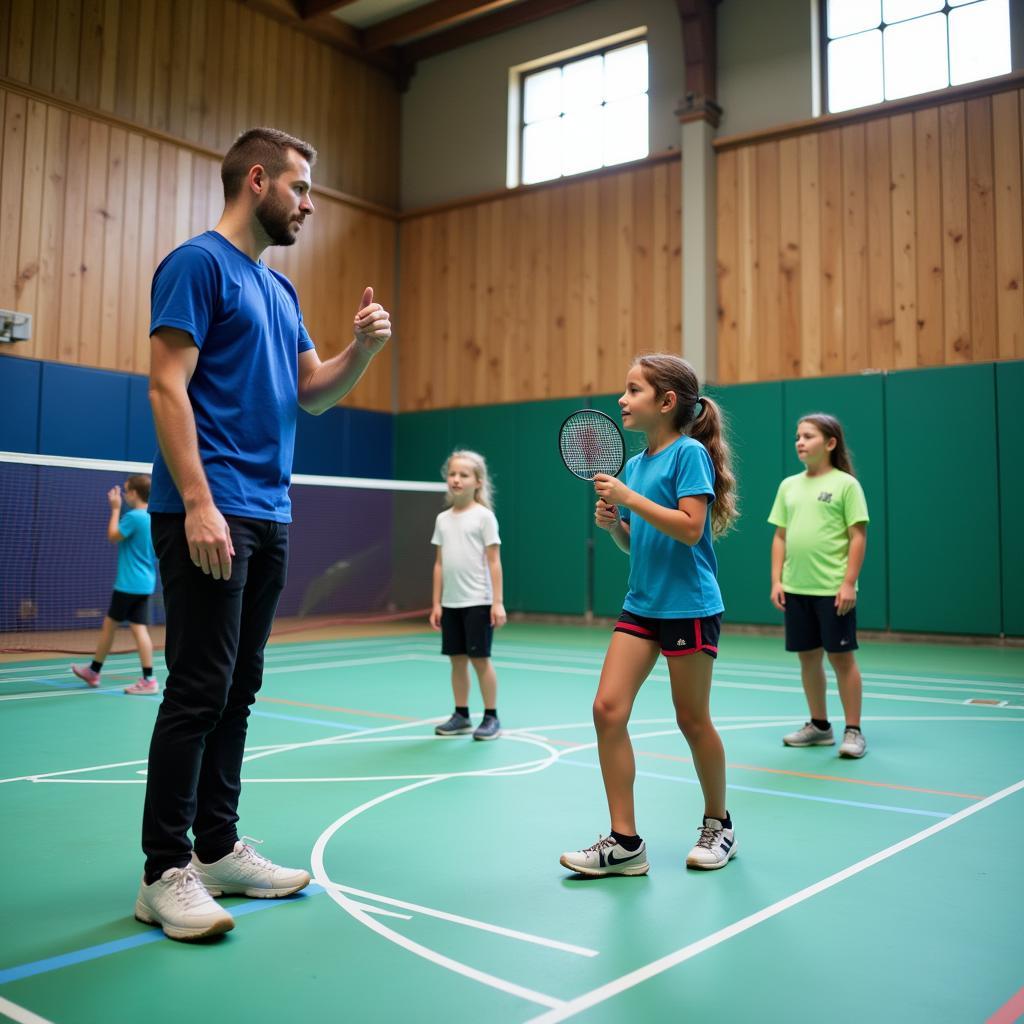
{"x": 265, "y": 146}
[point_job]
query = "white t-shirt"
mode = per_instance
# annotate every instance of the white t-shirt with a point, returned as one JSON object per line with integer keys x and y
{"x": 464, "y": 538}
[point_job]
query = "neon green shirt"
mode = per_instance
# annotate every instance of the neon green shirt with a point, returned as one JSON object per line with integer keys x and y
{"x": 817, "y": 512}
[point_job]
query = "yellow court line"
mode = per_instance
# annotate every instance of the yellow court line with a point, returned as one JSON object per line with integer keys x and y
{"x": 347, "y": 711}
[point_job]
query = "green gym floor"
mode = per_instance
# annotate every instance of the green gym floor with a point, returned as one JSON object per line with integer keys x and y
{"x": 887, "y": 889}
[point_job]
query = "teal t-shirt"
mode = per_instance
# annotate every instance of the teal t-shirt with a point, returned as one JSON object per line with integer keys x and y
{"x": 817, "y": 512}
{"x": 136, "y": 559}
{"x": 667, "y": 578}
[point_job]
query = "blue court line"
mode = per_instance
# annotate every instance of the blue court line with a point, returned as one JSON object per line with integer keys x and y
{"x": 778, "y": 792}
{"x": 55, "y": 963}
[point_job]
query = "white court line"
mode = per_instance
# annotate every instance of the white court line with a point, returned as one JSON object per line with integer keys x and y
{"x": 380, "y": 910}
{"x": 20, "y": 1014}
{"x": 352, "y": 907}
{"x": 469, "y": 922}
{"x": 656, "y": 967}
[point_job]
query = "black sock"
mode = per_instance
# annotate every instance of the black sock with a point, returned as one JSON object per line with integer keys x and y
{"x": 855, "y": 728}
{"x": 630, "y": 843}
{"x": 462, "y": 711}
{"x": 490, "y": 712}
{"x": 147, "y": 671}
{"x": 726, "y": 821}
{"x": 97, "y": 666}
{"x": 821, "y": 723}
{"x": 214, "y": 853}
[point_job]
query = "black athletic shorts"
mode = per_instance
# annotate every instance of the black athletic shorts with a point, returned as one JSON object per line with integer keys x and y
{"x": 467, "y": 631}
{"x": 812, "y": 622}
{"x": 129, "y": 608}
{"x": 674, "y": 636}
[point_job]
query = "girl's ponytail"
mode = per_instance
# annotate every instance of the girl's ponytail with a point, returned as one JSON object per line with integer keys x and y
{"x": 709, "y": 428}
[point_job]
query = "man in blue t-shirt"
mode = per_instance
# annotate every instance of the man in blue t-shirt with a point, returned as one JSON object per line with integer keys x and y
{"x": 231, "y": 361}
{"x": 136, "y": 577}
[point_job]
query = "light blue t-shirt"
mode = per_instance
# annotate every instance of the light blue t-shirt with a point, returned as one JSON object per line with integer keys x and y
{"x": 136, "y": 559}
{"x": 246, "y": 322}
{"x": 667, "y": 578}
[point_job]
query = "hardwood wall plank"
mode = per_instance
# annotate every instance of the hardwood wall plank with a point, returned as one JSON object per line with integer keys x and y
{"x": 1009, "y": 275}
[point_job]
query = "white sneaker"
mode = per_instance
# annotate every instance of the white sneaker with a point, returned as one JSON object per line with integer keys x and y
{"x": 716, "y": 846}
{"x": 607, "y": 857}
{"x": 245, "y": 872}
{"x": 181, "y": 906}
{"x": 854, "y": 744}
{"x": 809, "y": 735}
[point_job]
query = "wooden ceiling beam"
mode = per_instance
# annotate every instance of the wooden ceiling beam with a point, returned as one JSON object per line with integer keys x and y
{"x": 509, "y": 17}
{"x": 430, "y": 18}
{"x": 700, "y": 57}
{"x": 311, "y": 8}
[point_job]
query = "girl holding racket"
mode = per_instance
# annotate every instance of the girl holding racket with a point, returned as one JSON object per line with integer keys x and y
{"x": 677, "y": 493}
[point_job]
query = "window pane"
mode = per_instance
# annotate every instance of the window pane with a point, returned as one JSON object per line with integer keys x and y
{"x": 915, "y": 57}
{"x": 542, "y": 151}
{"x": 625, "y": 130}
{"x": 543, "y": 97}
{"x": 583, "y": 84}
{"x": 900, "y": 10}
{"x": 979, "y": 41}
{"x": 581, "y": 141}
{"x": 855, "y": 71}
{"x": 848, "y": 16}
{"x": 626, "y": 71}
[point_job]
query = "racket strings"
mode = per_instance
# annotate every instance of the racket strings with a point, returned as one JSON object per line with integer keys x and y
{"x": 591, "y": 443}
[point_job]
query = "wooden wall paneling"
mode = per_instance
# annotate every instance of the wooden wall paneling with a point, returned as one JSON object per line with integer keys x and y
{"x": 727, "y": 280}
{"x": 833, "y": 312}
{"x": 625, "y": 281}
{"x": 111, "y": 57}
{"x": 46, "y": 317}
{"x": 181, "y": 66}
{"x": 571, "y": 338}
{"x": 479, "y": 335}
{"x": 590, "y": 311}
{"x": 12, "y": 166}
{"x": 661, "y": 260}
{"x": 113, "y": 220}
{"x": 128, "y": 326}
{"x": 1009, "y": 237}
{"x": 405, "y": 339}
{"x": 746, "y": 175}
{"x": 641, "y": 265}
{"x": 855, "y": 250}
{"x": 810, "y": 257}
{"x": 27, "y": 244}
{"x": 955, "y": 245}
{"x": 19, "y": 41}
{"x": 608, "y": 320}
{"x": 982, "y": 229}
{"x": 66, "y": 57}
{"x": 161, "y": 58}
{"x": 271, "y": 75}
{"x": 5, "y": 34}
{"x": 90, "y": 53}
{"x": 150, "y": 200}
{"x": 490, "y": 226}
{"x": 136, "y": 91}
{"x": 904, "y": 242}
{"x": 931, "y": 268}
{"x": 44, "y": 42}
{"x": 88, "y": 326}
{"x": 226, "y": 65}
{"x": 789, "y": 259}
{"x": 256, "y": 78}
{"x": 210, "y": 98}
{"x": 769, "y": 276}
{"x": 558, "y": 367}
{"x": 879, "y": 247}
{"x": 183, "y": 197}
{"x": 74, "y": 230}
{"x": 675, "y": 269}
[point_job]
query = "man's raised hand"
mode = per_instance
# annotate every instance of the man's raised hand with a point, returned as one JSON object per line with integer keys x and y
{"x": 372, "y": 324}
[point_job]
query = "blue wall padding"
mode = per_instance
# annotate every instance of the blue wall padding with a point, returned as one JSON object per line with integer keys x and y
{"x": 19, "y": 408}
{"x": 370, "y": 446}
{"x": 141, "y": 432}
{"x": 83, "y": 412}
{"x": 320, "y": 443}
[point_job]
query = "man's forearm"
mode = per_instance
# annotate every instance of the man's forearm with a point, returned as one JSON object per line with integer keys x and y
{"x": 334, "y": 379}
{"x": 176, "y": 432}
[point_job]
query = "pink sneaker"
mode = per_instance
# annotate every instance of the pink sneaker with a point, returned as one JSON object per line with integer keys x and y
{"x": 85, "y": 673}
{"x": 143, "y": 686}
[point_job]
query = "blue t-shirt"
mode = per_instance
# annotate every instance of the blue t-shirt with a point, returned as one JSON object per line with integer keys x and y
{"x": 667, "y": 578}
{"x": 136, "y": 559}
{"x": 246, "y": 322}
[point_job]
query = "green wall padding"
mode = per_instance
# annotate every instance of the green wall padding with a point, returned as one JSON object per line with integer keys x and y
{"x": 942, "y": 507}
{"x": 755, "y": 429}
{"x": 859, "y": 404}
{"x": 1010, "y": 404}
{"x": 422, "y": 443}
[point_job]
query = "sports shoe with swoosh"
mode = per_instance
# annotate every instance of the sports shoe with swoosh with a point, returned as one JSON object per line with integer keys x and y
{"x": 607, "y": 857}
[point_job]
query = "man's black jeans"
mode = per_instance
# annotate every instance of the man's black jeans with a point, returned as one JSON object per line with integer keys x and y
{"x": 216, "y": 632}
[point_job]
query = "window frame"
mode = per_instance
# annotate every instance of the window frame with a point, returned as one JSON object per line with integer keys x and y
{"x": 599, "y": 50}
{"x": 824, "y": 40}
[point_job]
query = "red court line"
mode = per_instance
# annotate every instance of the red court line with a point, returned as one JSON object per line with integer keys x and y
{"x": 347, "y": 711}
{"x": 1010, "y": 1011}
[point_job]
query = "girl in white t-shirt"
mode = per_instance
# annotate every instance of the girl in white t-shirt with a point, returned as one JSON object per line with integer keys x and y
{"x": 467, "y": 599}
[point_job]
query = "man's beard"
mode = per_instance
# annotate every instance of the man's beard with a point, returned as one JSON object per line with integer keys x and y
{"x": 275, "y": 219}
